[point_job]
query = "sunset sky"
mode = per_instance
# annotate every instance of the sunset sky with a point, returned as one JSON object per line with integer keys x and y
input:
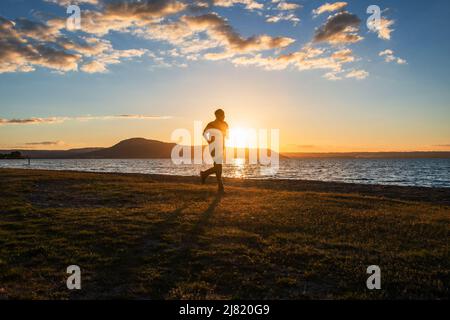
{"x": 312, "y": 69}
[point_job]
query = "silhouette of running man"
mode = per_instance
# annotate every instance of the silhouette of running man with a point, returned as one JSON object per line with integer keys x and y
{"x": 220, "y": 125}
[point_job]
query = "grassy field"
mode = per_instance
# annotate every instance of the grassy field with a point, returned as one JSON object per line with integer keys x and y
{"x": 148, "y": 237}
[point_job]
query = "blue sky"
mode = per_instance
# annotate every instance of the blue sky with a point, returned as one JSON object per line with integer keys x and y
{"x": 149, "y": 67}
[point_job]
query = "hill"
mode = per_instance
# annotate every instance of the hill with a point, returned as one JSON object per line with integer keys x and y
{"x": 135, "y": 148}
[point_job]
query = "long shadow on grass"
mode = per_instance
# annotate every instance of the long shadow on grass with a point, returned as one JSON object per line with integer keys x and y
{"x": 182, "y": 264}
{"x": 118, "y": 279}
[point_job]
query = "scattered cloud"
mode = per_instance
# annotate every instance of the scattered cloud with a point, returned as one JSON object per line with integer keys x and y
{"x": 284, "y": 11}
{"x": 389, "y": 56}
{"x": 267, "y": 63}
{"x": 249, "y": 4}
{"x": 145, "y": 11}
{"x": 357, "y": 74}
{"x": 66, "y": 3}
{"x": 191, "y": 31}
{"x": 36, "y": 30}
{"x": 26, "y": 44}
{"x": 94, "y": 67}
{"x": 343, "y": 56}
{"x": 387, "y": 52}
{"x": 308, "y": 58}
{"x": 45, "y": 143}
{"x": 283, "y": 17}
{"x": 19, "y": 53}
{"x": 332, "y": 76}
{"x": 329, "y": 7}
{"x": 383, "y": 28}
{"x": 99, "y": 65}
{"x": 123, "y": 16}
{"x": 220, "y": 31}
{"x": 31, "y": 120}
{"x": 282, "y": 5}
{"x": 340, "y": 28}
{"x": 52, "y": 120}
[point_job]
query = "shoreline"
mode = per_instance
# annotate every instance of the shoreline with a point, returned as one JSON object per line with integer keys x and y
{"x": 422, "y": 174}
{"x": 436, "y": 195}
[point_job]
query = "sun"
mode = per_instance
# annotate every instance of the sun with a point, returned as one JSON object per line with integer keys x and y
{"x": 240, "y": 137}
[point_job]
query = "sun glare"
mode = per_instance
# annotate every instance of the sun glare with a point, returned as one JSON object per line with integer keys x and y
{"x": 242, "y": 138}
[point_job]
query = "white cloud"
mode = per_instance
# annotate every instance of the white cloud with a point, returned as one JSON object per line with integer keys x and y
{"x": 383, "y": 28}
{"x": 99, "y": 65}
{"x": 389, "y": 56}
{"x": 329, "y": 7}
{"x": 282, "y": 5}
{"x": 357, "y": 74}
{"x": 283, "y": 17}
{"x": 249, "y": 4}
{"x": 308, "y": 58}
{"x": 66, "y": 3}
{"x": 332, "y": 76}
{"x": 52, "y": 120}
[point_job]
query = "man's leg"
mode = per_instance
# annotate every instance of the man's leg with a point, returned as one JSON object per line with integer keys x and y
{"x": 218, "y": 168}
{"x": 207, "y": 173}
{"x": 210, "y": 171}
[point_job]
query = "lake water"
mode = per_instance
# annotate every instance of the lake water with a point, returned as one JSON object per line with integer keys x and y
{"x": 403, "y": 172}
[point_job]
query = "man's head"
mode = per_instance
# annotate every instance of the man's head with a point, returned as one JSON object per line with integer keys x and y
{"x": 220, "y": 114}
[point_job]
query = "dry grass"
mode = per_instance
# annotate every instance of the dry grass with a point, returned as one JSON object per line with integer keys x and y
{"x": 139, "y": 237}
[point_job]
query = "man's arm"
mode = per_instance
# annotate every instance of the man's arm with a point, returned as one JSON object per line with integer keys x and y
{"x": 226, "y": 131}
{"x": 205, "y": 133}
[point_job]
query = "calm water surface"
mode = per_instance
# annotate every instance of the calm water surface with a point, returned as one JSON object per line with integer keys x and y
{"x": 404, "y": 172}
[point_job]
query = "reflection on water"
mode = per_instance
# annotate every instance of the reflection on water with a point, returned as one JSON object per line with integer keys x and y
{"x": 407, "y": 172}
{"x": 238, "y": 166}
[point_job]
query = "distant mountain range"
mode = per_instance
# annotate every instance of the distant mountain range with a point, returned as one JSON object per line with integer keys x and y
{"x": 140, "y": 148}
{"x": 135, "y": 148}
